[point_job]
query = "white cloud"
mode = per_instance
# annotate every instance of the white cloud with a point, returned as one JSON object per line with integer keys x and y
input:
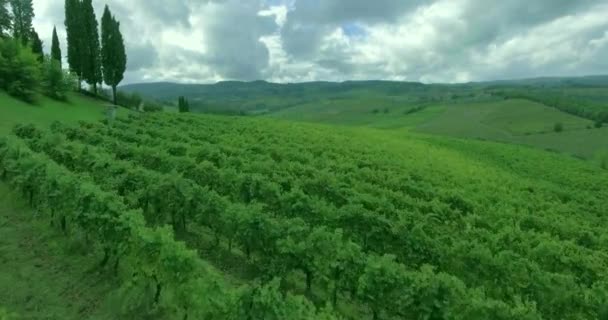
{"x": 304, "y": 40}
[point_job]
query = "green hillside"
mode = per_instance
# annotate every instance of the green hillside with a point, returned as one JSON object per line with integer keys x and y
{"x": 519, "y": 122}
{"x": 480, "y": 230}
{"x": 517, "y": 111}
{"x": 45, "y": 110}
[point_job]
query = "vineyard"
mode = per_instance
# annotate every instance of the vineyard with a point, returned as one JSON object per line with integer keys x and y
{"x": 315, "y": 222}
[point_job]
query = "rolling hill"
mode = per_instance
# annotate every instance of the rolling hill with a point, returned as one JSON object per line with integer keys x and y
{"x": 514, "y": 111}
{"x": 231, "y": 202}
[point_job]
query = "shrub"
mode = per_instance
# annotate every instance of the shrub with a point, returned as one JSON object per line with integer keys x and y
{"x": 19, "y": 68}
{"x": 386, "y": 110}
{"x": 131, "y": 101}
{"x": 602, "y": 159}
{"x": 56, "y": 83}
{"x": 598, "y": 124}
{"x": 376, "y": 111}
{"x": 150, "y": 106}
{"x": 558, "y": 127}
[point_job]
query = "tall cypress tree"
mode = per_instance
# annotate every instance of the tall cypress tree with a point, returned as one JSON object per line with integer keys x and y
{"x": 74, "y": 30}
{"x": 23, "y": 14}
{"x": 5, "y": 18}
{"x": 36, "y": 45}
{"x": 113, "y": 55}
{"x": 55, "y": 48}
{"x": 91, "y": 55}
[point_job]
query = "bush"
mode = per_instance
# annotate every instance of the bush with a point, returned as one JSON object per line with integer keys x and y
{"x": 152, "y": 107}
{"x": 602, "y": 159}
{"x": 558, "y": 127}
{"x": 56, "y": 83}
{"x": 598, "y": 124}
{"x": 19, "y": 68}
{"x": 131, "y": 101}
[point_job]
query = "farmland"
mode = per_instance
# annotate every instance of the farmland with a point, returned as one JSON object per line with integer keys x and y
{"x": 349, "y": 222}
{"x": 523, "y": 112}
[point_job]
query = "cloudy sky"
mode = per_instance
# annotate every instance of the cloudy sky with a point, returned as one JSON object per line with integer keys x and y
{"x": 303, "y": 40}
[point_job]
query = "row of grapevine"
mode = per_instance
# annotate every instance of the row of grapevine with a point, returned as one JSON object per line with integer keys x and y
{"x": 312, "y": 202}
{"x": 291, "y": 244}
{"x": 170, "y": 278}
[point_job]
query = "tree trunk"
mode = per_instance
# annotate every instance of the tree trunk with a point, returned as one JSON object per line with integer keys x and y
{"x": 308, "y": 282}
{"x": 95, "y": 88}
{"x": 334, "y": 297}
{"x": 63, "y": 224}
{"x": 217, "y": 239}
{"x": 158, "y": 290}
{"x": 114, "y": 94}
{"x": 116, "y": 265}
{"x": 106, "y": 257}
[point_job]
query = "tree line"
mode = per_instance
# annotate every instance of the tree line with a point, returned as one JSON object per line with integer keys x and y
{"x": 92, "y": 57}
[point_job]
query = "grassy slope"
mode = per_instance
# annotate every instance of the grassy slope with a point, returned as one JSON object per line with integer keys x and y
{"x": 469, "y": 162}
{"x": 41, "y": 279}
{"x": 46, "y": 110}
{"x": 520, "y": 122}
{"x": 512, "y": 121}
{"x": 45, "y": 280}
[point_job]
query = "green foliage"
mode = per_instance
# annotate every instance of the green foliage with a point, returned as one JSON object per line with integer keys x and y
{"x": 56, "y": 83}
{"x": 91, "y": 51}
{"x": 23, "y": 14}
{"x": 55, "y": 48}
{"x": 128, "y": 100}
{"x": 113, "y": 55}
{"x": 598, "y": 124}
{"x": 20, "y": 69}
{"x": 36, "y": 44}
{"x": 75, "y": 37}
{"x": 602, "y": 159}
{"x": 5, "y": 315}
{"x": 183, "y": 105}
{"x": 387, "y": 235}
{"x": 558, "y": 127}
{"x": 5, "y": 19}
{"x": 560, "y": 98}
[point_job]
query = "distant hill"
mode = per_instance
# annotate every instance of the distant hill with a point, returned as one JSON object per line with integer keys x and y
{"x": 586, "y": 81}
{"x": 259, "y": 97}
{"x": 265, "y": 97}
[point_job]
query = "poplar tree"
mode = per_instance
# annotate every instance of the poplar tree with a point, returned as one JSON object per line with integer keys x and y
{"x": 183, "y": 105}
{"x": 5, "y": 18}
{"x": 55, "y": 48}
{"x": 113, "y": 55}
{"x": 23, "y": 14}
{"x": 91, "y": 55}
{"x": 74, "y": 30}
